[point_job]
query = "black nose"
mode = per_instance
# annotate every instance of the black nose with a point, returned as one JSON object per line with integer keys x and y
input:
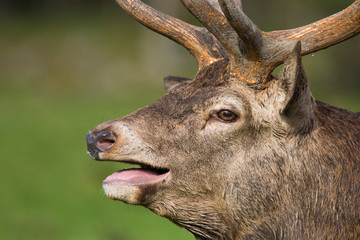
{"x": 102, "y": 142}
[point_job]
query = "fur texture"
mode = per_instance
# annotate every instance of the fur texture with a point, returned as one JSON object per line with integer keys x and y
{"x": 287, "y": 168}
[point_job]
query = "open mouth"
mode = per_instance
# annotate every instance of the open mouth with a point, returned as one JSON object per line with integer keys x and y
{"x": 146, "y": 174}
{"x": 135, "y": 185}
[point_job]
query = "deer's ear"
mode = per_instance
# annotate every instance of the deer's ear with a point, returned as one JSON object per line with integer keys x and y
{"x": 297, "y": 103}
{"x": 171, "y": 81}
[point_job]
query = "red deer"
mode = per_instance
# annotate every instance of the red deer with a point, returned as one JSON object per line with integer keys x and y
{"x": 237, "y": 153}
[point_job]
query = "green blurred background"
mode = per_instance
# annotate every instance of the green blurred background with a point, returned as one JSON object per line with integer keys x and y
{"x": 66, "y": 66}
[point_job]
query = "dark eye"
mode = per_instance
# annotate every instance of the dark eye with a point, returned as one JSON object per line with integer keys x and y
{"x": 227, "y": 116}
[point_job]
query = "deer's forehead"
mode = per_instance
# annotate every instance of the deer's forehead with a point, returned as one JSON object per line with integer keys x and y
{"x": 179, "y": 106}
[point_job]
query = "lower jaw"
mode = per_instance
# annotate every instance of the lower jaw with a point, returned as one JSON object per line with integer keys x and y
{"x": 127, "y": 193}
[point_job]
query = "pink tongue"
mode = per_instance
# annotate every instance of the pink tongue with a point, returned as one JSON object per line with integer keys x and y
{"x": 135, "y": 176}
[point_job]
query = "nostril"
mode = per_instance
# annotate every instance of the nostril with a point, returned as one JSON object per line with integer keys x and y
{"x": 105, "y": 144}
{"x": 105, "y": 140}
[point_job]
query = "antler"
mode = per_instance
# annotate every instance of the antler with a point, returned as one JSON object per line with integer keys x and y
{"x": 230, "y": 34}
{"x": 203, "y": 45}
{"x": 326, "y": 32}
{"x": 268, "y": 50}
{"x": 210, "y": 15}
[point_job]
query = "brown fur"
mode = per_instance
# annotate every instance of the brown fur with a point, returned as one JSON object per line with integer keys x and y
{"x": 285, "y": 167}
{"x": 265, "y": 176}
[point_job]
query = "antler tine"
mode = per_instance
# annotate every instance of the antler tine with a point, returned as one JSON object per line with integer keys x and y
{"x": 211, "y": 16}
{"x": 215, "y": 4}
{"x": 251, "y": 58}
{"x": 326, "y": 32}
{"x": 250, "y": 34}
{"x": 199, "y": 41}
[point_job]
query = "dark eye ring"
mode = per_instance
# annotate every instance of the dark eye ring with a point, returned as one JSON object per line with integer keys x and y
{"x": 227, "y": 116}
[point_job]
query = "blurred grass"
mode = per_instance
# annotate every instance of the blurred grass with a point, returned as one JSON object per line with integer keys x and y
{"x": 62, "y": 74}
{"x": 51, "y": 189}
{"x": 60, "y": 77}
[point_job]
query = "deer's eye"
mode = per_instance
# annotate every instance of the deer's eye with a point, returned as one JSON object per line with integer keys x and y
{"x": 227, "y": 116}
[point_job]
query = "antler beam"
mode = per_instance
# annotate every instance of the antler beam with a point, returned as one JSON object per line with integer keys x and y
{"x": 325, "y": 32}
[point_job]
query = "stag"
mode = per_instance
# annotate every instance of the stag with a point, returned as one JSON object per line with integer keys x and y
{"x": 237, "y": 153}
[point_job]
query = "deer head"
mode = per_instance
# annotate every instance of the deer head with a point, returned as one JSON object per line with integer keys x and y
{"x": 229, "y": 154}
